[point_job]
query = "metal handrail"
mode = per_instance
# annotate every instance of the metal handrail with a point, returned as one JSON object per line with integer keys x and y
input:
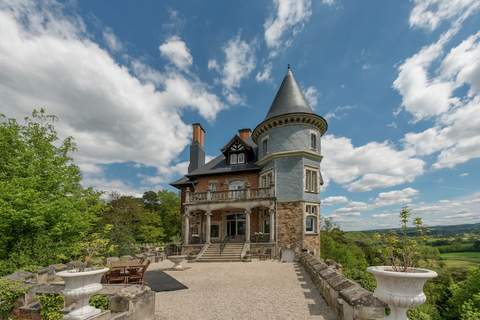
{"x": 223, "y": 243}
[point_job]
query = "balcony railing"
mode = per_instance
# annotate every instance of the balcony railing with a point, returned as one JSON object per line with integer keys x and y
{"x": 230, "y": 195}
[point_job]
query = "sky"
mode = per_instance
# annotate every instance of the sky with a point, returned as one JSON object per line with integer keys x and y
{"x": 398, "y": 82}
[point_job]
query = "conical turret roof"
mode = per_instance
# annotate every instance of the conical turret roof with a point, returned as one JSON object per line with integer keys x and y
{"x": 289, "y": 98}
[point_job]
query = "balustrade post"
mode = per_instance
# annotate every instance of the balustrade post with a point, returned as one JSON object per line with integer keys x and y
{"x": 247, "y": 191}
{"x": 209, "y": 195}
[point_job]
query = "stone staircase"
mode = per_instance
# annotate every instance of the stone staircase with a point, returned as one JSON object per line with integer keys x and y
{"x": 214, "y": 253}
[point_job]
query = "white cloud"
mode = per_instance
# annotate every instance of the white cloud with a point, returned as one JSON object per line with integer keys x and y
{"x": 429, "y": 14}
{"x": 111, "y": 40}
{"x": 311, "y": 94}
{"x": 47, "y": 59}
{"x": 265, "y": 75}
{"x": 334, "y": 200}
{"x": 364, "y": 168}
{"x": 338, "y": 113}
{"x": 288, "y": 19}
{"x": 177, "y": 52}
{"x": 464, "y": 174}
{"x": 238, "y": 64}
{"x": 395, "y": 197}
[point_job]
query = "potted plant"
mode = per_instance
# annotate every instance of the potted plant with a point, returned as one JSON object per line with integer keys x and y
{"x": 84, "y": 280}
{"x": 400, "y": 284}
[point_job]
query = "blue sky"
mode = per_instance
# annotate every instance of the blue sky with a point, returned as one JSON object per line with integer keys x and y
{"x": 398, "y": 81}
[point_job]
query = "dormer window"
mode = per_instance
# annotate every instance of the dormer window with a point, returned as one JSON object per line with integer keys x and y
{"x": 233, "y": 158}
{"x": 241, "y": 158}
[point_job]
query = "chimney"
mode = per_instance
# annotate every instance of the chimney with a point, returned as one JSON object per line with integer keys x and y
{"x": 244, "y": 133}
{"x": 197, "y": 153}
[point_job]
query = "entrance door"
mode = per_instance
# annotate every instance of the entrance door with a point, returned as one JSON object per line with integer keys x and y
{"x": 236, "y": 226}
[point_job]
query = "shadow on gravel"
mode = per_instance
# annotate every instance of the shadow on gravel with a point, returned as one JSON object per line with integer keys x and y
{"x": 160, "y": 281}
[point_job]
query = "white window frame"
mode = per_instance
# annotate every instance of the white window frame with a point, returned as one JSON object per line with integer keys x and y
{"x": 214, "y": 184}
{"x": 265, "y": 175}
{"x": 233, "y": 160}
{"x": 311, "y": 210}
{"x": 309, "y": 185}
{"x": 243, "y": 158}
{"x": 314, "y": 134}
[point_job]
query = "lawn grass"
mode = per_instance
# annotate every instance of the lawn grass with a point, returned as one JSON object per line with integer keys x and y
{"x": 461, "y": 260}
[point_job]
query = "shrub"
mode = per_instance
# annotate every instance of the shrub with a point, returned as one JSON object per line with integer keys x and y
{"x": 10, "y": 291}
{"x": 99, "y": 301}
{"x": 51, "y": 306}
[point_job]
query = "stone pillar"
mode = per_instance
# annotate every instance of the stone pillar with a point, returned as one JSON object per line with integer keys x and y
{"x": 186, "y": 236}
{"x": 247, "y": 225}
{"x": 272, "y": 225}
{"x": 208, "y": 227}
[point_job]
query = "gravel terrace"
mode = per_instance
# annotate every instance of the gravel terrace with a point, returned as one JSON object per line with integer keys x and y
{"x": 239, "y": 290}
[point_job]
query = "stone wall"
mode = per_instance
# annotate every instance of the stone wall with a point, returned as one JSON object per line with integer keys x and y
{"x": 290, "y": 225}
{"x": 311, "y": 242}
{"x": 347, "y": 298}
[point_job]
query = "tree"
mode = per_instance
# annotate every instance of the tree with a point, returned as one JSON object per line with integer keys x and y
{"x": 124, "y": 215}
{"x": 169, "y": 209}
{"x": 44, "y": 209}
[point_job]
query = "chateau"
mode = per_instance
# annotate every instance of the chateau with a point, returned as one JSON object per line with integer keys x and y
{"x": 263, "y": 190}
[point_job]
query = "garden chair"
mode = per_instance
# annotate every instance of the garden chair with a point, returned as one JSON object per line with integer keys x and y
{"x": 136, "y": 274}
{"x": 116, "y": 276}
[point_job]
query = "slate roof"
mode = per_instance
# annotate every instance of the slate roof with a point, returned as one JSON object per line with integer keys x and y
{"x": 219, "y": 165}
{"x": 289, "y": 98}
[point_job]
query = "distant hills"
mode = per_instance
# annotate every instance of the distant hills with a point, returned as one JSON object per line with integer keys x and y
{"x": 436, "y": 230}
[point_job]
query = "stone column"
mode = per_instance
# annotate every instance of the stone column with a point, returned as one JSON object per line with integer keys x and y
{"x": 186, "y": 236}
{"x": 247, "y": 225}
{"x": 272, "y": 225}
{"x": 208, "y": 227}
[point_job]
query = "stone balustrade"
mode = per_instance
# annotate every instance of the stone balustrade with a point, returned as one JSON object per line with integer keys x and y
{"x": 347, "y": 298}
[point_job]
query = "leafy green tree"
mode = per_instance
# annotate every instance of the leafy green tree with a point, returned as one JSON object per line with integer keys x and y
{"x": 44, "y": 209}
{"x": 124, "y": 215}
{"x": 169, "y": 209}
{"x": 465, "y": 297}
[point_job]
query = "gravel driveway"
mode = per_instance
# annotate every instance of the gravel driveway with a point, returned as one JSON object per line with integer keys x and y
{"x": 239, "y": 290}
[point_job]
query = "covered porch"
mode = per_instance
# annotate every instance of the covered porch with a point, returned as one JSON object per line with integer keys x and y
{"x": 251, "y": 222}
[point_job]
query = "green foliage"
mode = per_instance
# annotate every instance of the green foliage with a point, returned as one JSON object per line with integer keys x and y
{"x": 45, "y": 210}
{"x": 51, "y": 306}
{"x": 155, "y": 218}
{"x": 465, "y": 296}
{"x": 99, "y": 301}
{"x": 403, "y": 251}
{"x": 10, "y": 291}
{"x": 335, "y": 246}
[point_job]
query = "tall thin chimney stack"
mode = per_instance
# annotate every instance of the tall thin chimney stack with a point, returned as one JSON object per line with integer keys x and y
{"x": 197, "y": 152}
{"x": 244, "y": 133}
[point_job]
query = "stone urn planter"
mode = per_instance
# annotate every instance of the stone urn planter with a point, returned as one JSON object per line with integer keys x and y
{"x": 400, "y": 290}
{"x": 79, "y": 286}
{"x": 177, "y": 261}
